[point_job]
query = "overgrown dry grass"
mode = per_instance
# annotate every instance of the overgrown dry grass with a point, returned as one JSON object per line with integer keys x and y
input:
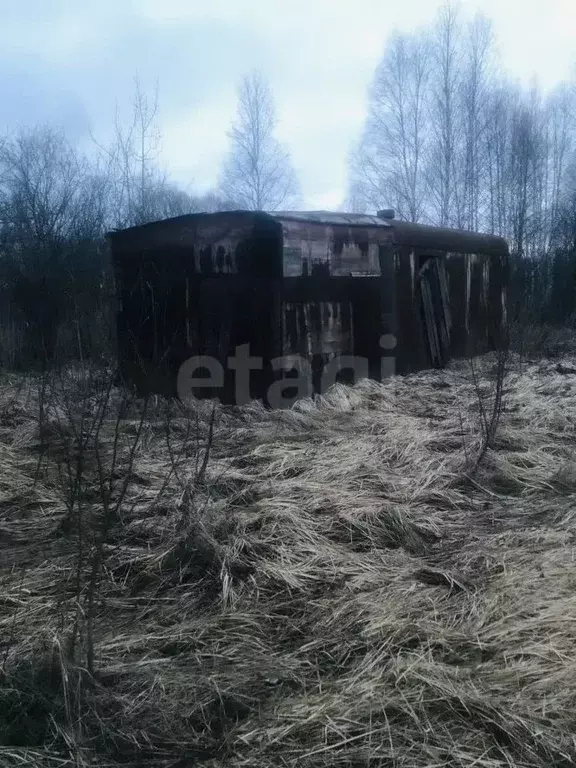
{"x": 334, "y": 590}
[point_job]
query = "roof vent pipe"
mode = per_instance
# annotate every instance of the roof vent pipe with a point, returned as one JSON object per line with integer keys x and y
{"x": 388, "y": 213}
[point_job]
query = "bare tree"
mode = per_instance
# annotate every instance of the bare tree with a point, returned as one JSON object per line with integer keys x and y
{"x": 53, "y": 214}
{"x": 450, "y": 140}
{"x": 474, "y": 89}
{"x": 444, "y": 117}
{"x": 561, "y": 118}
{"x": 258, "y": 172}
{"x": 136, "y": 183}
{"x": 521, "y": 165}
{"x": 390, "y": 159}
{"x": 421, "y": 149}
{"x": 167, "y": 200}
{"x": 499, "y": 108}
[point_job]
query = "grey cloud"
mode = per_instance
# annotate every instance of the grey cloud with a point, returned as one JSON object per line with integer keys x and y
{"x": 192, "y": 63}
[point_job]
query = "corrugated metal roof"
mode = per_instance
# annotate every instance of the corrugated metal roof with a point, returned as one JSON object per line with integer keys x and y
{"x": 329, "y": 218}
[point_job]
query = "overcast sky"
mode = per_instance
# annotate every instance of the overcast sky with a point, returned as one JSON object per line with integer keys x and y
{"x": 69, "y": 61}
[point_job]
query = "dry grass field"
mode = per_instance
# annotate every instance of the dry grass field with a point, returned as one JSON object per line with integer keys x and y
{"x": 333, "y": 585}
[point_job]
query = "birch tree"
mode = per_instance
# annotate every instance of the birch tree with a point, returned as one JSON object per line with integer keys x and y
{"x": 135, "y": 181}
{"x": 474, "y": 90}
{"x": 444, "y": 117}
{"x": 391, "y": 157}
{"x": 561, "y": 119}
{"x": 258, "y": 171}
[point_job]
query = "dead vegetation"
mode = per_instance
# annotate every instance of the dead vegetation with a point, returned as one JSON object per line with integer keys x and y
{"x": 331, "y": 585}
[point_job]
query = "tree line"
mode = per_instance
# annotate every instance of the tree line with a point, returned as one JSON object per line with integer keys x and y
{"x": 448, "y": 140}
{"x": 56, "y": 205}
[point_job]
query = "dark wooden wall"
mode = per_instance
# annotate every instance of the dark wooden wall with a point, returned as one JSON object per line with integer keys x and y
{"x": 201, "y": 288}
{"x": 207, "y": 287}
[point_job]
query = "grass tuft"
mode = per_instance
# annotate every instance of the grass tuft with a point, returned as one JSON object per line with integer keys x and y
{"x": 328, "y": 585}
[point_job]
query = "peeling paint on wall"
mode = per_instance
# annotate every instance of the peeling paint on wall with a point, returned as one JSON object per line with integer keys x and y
{"x": 340, "y": 251}
{"x": 311, "y": 328}
{"x": 218, "y": 258}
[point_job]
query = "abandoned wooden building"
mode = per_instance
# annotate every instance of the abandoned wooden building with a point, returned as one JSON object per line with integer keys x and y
{"x": 314, "y": 286}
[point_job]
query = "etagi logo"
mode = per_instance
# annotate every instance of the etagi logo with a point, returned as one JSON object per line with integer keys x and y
{"x": 283, "y": 392}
